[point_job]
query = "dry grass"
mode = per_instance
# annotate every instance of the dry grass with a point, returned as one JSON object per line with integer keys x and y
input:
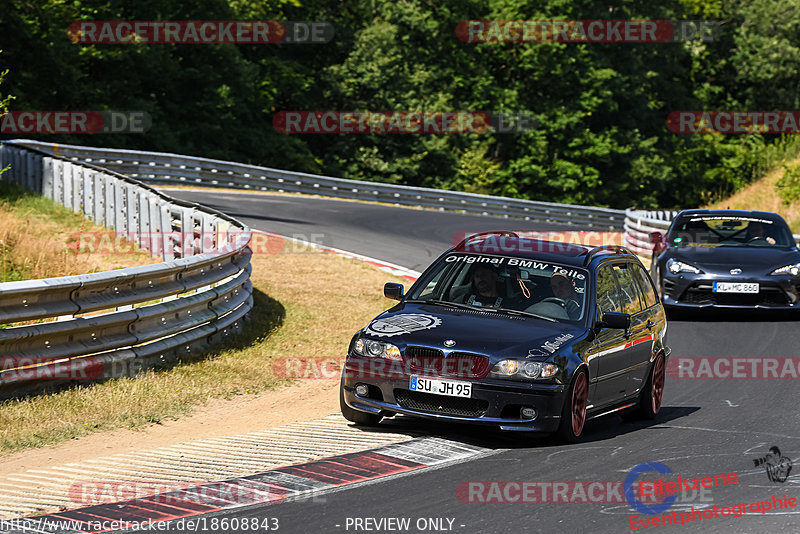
{"x": 307, "y": 305}
{"x": 37, "y": 240}
{"x": 762, "y": 195}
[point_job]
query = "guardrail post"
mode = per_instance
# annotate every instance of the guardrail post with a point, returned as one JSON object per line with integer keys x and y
{"x": 186, "y": 221}
{"x": 98, "y": 184}
{"x": 62, "y": 186}
{"x": 207, "y": 233}
{"x": 76, "y": 180}
{"x": 88, "y": 194}
{"x": 120, "y": 220}
{"x": 47, "y": 178}
{"x": 64, "y": 191}
{"x": 109, "y": 190}
{"x": 144, "y": 220}
{"x": 16, "y": 167}
{"x": 165, "y": 221}
{"x": 31, "y": 181}
{"x": 132, "y": 212}
{"x": 156, "y": 233}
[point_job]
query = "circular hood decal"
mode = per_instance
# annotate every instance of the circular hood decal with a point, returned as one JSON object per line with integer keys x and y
{"x": 405, "y": 323}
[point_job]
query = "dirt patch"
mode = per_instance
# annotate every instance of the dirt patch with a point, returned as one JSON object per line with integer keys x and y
{"x": 309, "y": 399}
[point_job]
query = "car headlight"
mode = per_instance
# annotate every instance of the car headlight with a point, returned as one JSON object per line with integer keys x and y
{"x": 675, "y": 267}
{"x": 376, "y": 349}
{"x": 522, "y": 369}
{"x": 793, "y": 269}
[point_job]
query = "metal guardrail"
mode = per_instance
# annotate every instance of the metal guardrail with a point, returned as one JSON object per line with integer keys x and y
{"x": 116, "y": 323}
{"x": 639, "y": 224}
{"x": 159, "y": 168}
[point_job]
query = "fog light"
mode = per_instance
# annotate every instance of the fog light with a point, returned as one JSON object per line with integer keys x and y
{"x": 528, "y": 413}
{"x": 362, "y": 390}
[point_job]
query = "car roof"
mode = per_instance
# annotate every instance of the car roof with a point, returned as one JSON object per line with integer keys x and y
{"x": 731, "y": 213}
{"x": 509, "y": 244}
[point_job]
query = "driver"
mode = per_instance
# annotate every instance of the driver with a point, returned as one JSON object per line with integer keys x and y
{"x": 756, "y": 232}
{"x": 482, "y": 291}
{"x": 564, "y": 289}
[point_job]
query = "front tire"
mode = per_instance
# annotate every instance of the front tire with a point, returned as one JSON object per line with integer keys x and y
{"x": 357, "y": 417}
{"x": 573, "y": 414}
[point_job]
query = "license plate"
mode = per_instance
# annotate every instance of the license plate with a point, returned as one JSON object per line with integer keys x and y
{"x": 450, "y": 388}
{"x": 735, "y": 287}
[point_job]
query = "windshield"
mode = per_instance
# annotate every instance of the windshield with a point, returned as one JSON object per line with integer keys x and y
{"x": 545, "y": 289}
{"x": 720, "y": 230}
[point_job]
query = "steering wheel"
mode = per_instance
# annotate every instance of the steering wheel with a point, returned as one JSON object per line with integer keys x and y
{"x": 758, "y": 239}
{"x": 571, "y": 310}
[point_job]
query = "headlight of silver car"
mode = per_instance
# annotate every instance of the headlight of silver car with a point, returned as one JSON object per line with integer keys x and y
{"x": 523, "y": 369}
{"x": 793, "y": 269}
{"x": 675, "y": 267}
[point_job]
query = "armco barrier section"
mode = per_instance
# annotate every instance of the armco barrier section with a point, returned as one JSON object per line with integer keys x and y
{"x": 639, "y": 224}
{"x": 119, "y": 322}
{"x": 160, "y": 168}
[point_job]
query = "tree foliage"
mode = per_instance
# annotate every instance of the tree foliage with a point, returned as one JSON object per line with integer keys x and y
{"x": 601, "y": 109}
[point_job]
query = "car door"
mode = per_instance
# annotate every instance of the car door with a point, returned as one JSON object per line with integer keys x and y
{"x": 655, "y": 321}
{"x": 608, "y": 359}
{"x": 639, "y": 337}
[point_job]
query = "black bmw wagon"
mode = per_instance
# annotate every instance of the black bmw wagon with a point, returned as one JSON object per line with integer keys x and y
{"x": 517, "y": 333}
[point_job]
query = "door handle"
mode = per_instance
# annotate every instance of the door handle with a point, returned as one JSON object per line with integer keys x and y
{"x": 650, "y": 324}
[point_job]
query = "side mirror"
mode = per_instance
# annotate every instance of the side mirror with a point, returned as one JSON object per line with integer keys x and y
{"x": 393, "y": 291}
{"x": 656, "y": 238}
{"x": 659, "y": 241}
{"x": 620, "y": 321}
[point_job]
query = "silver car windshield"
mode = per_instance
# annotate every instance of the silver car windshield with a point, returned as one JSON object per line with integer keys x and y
{"x": 717, "y": 230}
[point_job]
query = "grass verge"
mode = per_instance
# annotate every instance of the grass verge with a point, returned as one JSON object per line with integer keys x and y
{"x": 307, "y": 304}
{"x": 37, "y": 239}
{"x": 763, "y": 195}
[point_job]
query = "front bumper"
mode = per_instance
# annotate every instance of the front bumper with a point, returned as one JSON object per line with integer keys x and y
{"x": 686, "y": 290}
{"x": 493, "y": 402}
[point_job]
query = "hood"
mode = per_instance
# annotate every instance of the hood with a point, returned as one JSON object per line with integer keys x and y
{"x": 756, "y": 260}
{"x": 483, "y": 332}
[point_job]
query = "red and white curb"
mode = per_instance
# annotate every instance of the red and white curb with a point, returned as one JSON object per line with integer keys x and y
{"x": 270, "y": 487}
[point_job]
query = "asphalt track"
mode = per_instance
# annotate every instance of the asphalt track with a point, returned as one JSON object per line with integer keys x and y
{"x": 706, "y": 427}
